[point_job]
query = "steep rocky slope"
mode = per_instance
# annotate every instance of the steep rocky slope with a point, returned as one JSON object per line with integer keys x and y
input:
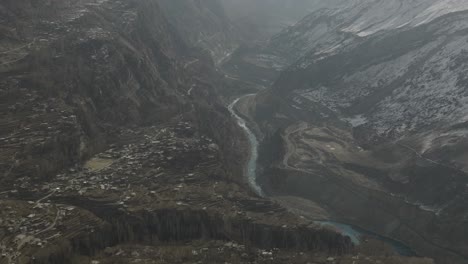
{"x": 338, "y": 23}
{"x": 329, "y": 27}
{"x": 204, "y": 24}
{"x": 378, "y": 106}
{"x": 58, "y": 78}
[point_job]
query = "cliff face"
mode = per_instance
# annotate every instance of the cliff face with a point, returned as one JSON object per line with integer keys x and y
{"x": 203, "y": 24}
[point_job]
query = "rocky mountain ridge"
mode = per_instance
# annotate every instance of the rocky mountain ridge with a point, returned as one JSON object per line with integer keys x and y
{"x": 338, "y": 23}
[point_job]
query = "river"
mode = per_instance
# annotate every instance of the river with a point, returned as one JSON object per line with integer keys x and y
{"x": 251, "y": 170}
{"x": 355, "y": 233}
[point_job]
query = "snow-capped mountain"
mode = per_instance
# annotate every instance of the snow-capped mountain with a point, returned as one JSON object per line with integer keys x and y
{"x": 409, "y": 82}
{"x": 387, "y": 15}
{"x": 401, "y": 81}
{"x": 336, "y": 23}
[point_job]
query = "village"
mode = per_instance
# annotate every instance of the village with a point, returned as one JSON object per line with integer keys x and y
{"x": 159, "y": 168}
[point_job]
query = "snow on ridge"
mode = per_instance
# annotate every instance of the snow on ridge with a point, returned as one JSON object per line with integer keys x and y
{"x": 440, "y": 8}
{"x": 320, "y": 32}
{"x": 381, "y": 15}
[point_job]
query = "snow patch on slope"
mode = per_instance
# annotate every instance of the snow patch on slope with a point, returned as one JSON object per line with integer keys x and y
{"x": 328, "y": 30}
{"x": 393, "y": 14}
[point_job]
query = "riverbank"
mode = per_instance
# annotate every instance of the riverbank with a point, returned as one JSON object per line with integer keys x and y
{"x": 354, "y": 232}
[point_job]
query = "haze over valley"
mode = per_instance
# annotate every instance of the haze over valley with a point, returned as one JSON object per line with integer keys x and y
{"x": 234, "y": 131}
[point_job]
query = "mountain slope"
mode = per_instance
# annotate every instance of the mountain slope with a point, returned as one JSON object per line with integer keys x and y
{"x": 203, "y": 24}
{"x": 113, "y": 133}
{"x": 384, "y": 113}
{"x": 56, "y": 77}
{"x": 340, "y": 22}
